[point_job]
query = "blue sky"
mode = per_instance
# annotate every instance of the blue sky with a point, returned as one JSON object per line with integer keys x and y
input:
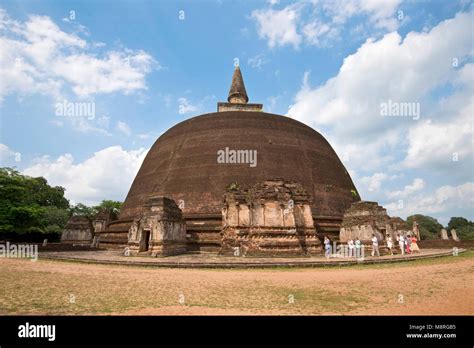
{"x": 148, "y": 65}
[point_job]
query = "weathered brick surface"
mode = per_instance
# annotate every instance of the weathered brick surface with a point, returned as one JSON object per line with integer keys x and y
{"x": 182, "y": 164}
{"x": 271, "y": 218}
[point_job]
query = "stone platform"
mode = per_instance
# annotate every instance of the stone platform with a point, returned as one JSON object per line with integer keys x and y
{"x": 115, "y": 257}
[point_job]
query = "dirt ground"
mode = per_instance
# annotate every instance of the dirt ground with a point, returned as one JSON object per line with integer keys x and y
{"x": 441, "y": 286}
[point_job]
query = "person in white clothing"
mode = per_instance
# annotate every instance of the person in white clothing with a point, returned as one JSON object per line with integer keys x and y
{"x": 358, "y": 246}
{"x": 350, "y": 243}
{"x": 401, "y": 243}
{"x": 375, "y": 245}
{"x": 327, "y": 247}
{"x": 390, "y": 244}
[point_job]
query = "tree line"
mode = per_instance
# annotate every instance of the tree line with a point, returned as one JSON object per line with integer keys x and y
{"x": 32, "y": 210}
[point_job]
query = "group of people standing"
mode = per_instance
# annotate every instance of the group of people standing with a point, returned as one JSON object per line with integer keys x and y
{"x": 408, "y": 244}
{"x": 354, "y": 247}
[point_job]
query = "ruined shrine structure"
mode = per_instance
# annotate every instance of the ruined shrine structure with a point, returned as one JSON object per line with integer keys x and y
{"x": 160, "y": 231}
{"x": 84, "y": 230}
{"x": 79, "y": 230}
{"x": 271, "y": 218}
{"x": 365, "y": 218}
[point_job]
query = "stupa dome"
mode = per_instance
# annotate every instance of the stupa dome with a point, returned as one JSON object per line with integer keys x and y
{"x": 192, "y": 164}
{"x": 183, "y": 165}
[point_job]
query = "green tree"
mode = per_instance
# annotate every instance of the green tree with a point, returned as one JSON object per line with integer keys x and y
{"x": 83, "y": 210}
{"x": 429, "y": 227}
{"x": 112, "y": 206}
{"x": 46, "y": 196}
{"x": 55, "y": 219}
{"x": 91, "y": 212}
{"x": 464, "y": 228}
{"x": 29, "y": 204}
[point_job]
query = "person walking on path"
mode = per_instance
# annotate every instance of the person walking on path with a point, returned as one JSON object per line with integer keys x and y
{"x": 375, "y": 245}
{"x": 401, "y": 243}
{"x": 414, "y": 245}
{"x": 327, "y": 247}
{"x": 390, "y": 244}
{"x": 350, "y": 243}
{"x": 407, "y": 244}
{"x": 357, "y": 248}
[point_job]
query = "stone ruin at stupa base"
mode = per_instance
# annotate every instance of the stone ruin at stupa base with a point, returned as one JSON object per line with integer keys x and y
{"x": 161, "y": 231}
{"x": 271, "y": 218}
{"x": 364, "y": 218}
{"x": 78, "y": 230}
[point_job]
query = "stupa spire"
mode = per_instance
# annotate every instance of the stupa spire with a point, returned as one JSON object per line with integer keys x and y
{"x": 238, "y": 99}
{"x": 237, "y": 92}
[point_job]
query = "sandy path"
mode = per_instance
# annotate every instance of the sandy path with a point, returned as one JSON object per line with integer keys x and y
{"x": 45, "y": 287}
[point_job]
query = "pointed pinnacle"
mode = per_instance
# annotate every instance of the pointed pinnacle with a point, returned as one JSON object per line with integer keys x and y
{"x": 237, "y": 92}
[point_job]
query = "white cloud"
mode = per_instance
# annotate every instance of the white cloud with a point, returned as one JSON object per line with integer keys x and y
{"x": 374, "y": 182}
{"x": 38, "y": 57}
{"x": 417, "y": 185}
{"x": 380, "y": 13}
{"x": 319, "y": 23}
{"x": 116, "y": 72}
{"x": 445, "y": 199}
{"x": 5, "y": 151}
{"x": 319, "y": 33}
{"x": 185, "y": 107}
{"x": 379, "y": 154}
{"x": 124, "y": 128}
{"x": 278, "y": 26}
{"x": 441, "y": 143}
{"x": 347, "y": 106}
{"x": 106, "y": 175}
{"x": 7, "y": 155}
{"x": 361, "y": 84}
{"x": 446, "y": 144}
